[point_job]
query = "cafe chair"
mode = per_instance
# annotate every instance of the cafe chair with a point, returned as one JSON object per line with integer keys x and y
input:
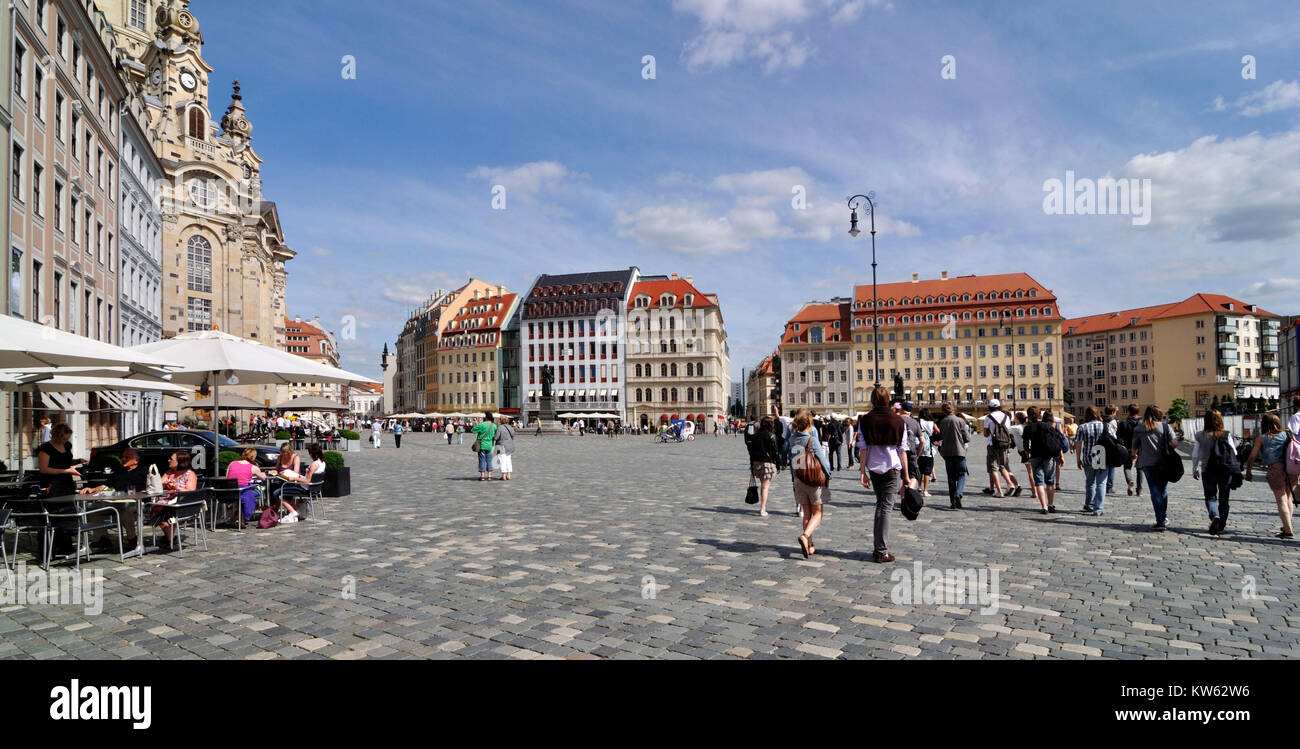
{"x": 29, "y": 516}
{"x": 221, "y": 493}
{"x": 187, "y": 509}
{"x": 81, "y": 523}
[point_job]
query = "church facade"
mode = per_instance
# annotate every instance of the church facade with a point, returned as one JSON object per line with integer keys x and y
{"x": 223, "y": 249}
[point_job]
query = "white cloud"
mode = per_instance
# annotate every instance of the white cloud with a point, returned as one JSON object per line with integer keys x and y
{"x": 1275, "y": 97}
{"x": 1282, "y": 289}
{"x": 1229, "y": 190}
{"x": 525, "y": 181}
{"x": 684, "y": 228}
{"x": 321, "y": 251}
{"x": 414, "y": 289}
{"x": 738, "y": 31}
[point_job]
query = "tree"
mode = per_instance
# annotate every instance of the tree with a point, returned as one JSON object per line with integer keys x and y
{"x": 1177, "y": 411}
{"x": 1214, "y": 404}
{"x": 1068, "y": 397}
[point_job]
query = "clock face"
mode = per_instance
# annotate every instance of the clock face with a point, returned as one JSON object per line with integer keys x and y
{"x": 156, "y": 76}
{"x": 188, "y": 81}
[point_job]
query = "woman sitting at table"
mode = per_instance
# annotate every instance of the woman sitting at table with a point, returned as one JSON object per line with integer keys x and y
{"x": 179, "y": 478}
{"x": 297, "y": 487}
{"x": 288, "y": 467}
{"x": 244, "y": 471}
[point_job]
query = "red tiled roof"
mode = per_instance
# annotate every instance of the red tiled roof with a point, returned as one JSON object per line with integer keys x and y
{"x": 492, "y": 320}
{"x": 1108, "y": 321}
{"x": 765, "y": 368}
{"x": 1195, "y": 304}
{"x": 678, "y": 287}
{"x": 814, "y": 313}
{"x": 1218, "y": 303}
{"x": 959, "y": 294}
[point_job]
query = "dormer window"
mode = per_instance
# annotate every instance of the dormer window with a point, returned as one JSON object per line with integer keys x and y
{"x": 688, "y": 300}
{"x": 667, "y": 300}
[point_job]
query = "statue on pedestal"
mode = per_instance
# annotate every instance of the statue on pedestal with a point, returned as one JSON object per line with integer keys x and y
{"x": 548, "y": 378}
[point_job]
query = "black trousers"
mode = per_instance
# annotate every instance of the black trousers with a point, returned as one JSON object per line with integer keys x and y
{"x": 397, "y": 440}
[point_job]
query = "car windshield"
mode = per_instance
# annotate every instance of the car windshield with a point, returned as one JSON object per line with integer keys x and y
{"x": 223, "y": 442}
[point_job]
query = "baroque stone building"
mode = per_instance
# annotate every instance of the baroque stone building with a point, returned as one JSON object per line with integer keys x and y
{"x": 223, "y": 250}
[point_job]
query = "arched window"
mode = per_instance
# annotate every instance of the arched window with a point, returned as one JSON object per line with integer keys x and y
{"x": 673, "y": 369}
{"x": 663, "y": 370}
{"x": 979, "y": 297}
{"x": 199, "y": 252}
{"x": 1047, "y": 312}
{"x": 690, "y": 395}
{"x": 198, "y": 123}
{"x": 674, "y": 392}
{"x": 638, "y": 370}
{"x": 690, "y": 369}
{"x": 699, "y": 394}
{"x": 906, "y": 319}
{"x": 929, "y": 318}
{"x": 663, "y": 394}
{"x": 638, "y": 394}
{"x": 1020, "y": 294}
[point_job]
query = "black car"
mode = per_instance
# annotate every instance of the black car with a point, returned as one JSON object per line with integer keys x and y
{"x": 157, "y": 448}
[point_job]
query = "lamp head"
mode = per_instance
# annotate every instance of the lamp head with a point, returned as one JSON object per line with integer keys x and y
{"x": 853, "y": 223}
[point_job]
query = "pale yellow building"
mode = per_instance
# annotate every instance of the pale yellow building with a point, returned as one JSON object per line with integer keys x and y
{"x": 967, "y": 339}
{"x": 1204, "y": 348}
{"x": 469, "y": 352}
{"x": 223, "y": 247}
{"x": 763, "y": 389}
{"x": 678, "y": 360}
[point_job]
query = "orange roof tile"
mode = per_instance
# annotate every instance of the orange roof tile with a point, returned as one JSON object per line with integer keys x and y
{"x": 678, "y": 287}
{"x": 819, "y": 312}
{"x": 1107, "y": 321}
{"x": 1218, "y": 303}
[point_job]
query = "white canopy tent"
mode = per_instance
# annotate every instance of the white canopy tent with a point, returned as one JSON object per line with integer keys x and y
{"x": 212, "y": 357}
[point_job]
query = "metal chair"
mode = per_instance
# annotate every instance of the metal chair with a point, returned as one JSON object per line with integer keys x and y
{"x": 29, "y": 516}
{"x": 79, "y": 523}
{"x": 223, "y": 492}
{"x": 310, "y": 492}
{"x": 188, "y": 507}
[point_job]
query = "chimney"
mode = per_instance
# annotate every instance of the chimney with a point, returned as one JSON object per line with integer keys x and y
{"x": 943, "y": 275}
{"x": 690, "y": 280}
{"x": 674, "y": 277}
{"x": 916, "y": 278}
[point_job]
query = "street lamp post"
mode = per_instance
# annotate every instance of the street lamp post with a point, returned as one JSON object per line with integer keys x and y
{"x": 1014, "y": 389}
{"x": 875, "y": 301}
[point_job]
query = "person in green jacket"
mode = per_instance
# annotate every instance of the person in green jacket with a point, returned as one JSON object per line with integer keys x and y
{"x": 485, "y": 433}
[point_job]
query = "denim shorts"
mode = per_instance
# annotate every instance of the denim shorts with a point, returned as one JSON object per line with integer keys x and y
{"x": 1044, "y": 470}
{"x": 484, "y": 461}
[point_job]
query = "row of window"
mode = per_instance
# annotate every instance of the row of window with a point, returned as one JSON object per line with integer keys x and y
{"x": 460, "y": 378}
{"x": 669, "y": 395}
{"x": 577, "y": 373}
{"x": 950, "y": 299}
{"x": 476, "y": 398}
{"x": 670, "y": 370}
{"x": 471, "y": 358}
{"x": 611, "y": 287}
{"x": 95, "y": 318}
{"x": 579, "y": 328}
{"x": 95, "y": 237}
{"x": 816, "y": 336}
{"x": 547, "y": 351}
{"x": 946, "y": 318}
{"x": 666, "y": 300}
{"x": 926, "y": 373}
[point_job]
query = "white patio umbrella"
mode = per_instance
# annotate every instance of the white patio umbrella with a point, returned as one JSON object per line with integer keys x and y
{"x": 212, "y": 357}
{"x": 28, "y": 345}
{"x": 18, "y": 383}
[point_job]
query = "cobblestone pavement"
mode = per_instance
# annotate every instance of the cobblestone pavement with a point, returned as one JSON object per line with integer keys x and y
{"x": 628, "y": 549}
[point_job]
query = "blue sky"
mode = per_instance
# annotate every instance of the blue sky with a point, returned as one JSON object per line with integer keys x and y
{"x": 384, "y": 182}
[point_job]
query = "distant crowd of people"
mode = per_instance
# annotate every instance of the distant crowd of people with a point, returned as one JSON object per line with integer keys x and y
{"x": 896, "y": 451}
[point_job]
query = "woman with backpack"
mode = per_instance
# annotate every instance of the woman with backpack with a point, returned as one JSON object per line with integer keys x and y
{"x": 1045, "y": 458}
{"x": 1270, "y": 448}
{"x": 810, "y": 472}
{"x": 925, "y": 456}
{"x": 1151, "y": 440}
{"x": 1216, "y": 450}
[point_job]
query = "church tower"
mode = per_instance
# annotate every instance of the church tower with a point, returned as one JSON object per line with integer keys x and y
{"x": 223, "y": 247}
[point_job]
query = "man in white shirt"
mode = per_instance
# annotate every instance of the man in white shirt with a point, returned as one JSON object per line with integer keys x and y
{"x": 996, "y": 459}
{"x": 376, "y": 428}
{"x": 1293, "y": 423}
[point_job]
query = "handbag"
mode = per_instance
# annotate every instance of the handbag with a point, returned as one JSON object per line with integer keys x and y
{"x": 1171, "y": 463}
{"x": 153, "y": 480}
{"x": 751, "y": 494}
{"x": 808, "y": 468}
{"x": 913, "y": 501}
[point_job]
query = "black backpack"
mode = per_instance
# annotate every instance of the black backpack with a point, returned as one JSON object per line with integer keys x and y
{"x": 1115, "y": 454}
{"x": 1223, "y": 457}
{"x": 1002, "y": 438}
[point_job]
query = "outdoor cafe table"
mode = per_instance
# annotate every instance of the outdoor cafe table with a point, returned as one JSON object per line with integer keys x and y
{"x": 139, "y": 498}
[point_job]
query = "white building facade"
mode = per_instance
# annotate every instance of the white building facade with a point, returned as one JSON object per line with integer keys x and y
{"x": 140, "y": 273}
{"x": 576, "y": 323}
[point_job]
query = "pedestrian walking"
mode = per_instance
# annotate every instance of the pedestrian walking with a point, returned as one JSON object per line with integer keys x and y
{"x": 998, "y": 441}
{"x": 505, "y": 447}
{"x": 460, "y": 433}
{"x": 810, "y": 473}
{"x": 913, "y": 441}
{"x": 1124, "y": 432}
{"x": 1270, "y": 448}
{"x": 925, "y": 454}
{"x": 484, "y": 440}
{"x": 954, "y": 435}
{"x": 883, "y": 465}
{"x": 1044, "y": 449}
{"x": 1018, "y": 436}
{"x": 1214, "y": 463}
{"x": 397, "y": 435}
{"x": 1152, "y": 438}
{"x": 376, "y": 429}
{"x": 850, "y": 439}
{"x": 1092, "y": 464}
{"x": 834, "y": 438}
{"x": 1112, "y": 426}
{"x": 763, "y": 459}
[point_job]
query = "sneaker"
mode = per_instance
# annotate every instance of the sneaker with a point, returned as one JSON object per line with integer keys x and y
{"x": 1138, "y": 493}
{"x": 1214, "y": 527}
{"x": 1130, "y": 490}
{"x": 1159, "y": 527}
{"x": 1051, "y": 508}
{"x": 987, "y": 490}
{"x": 292, "y": 518}
{"x": 1097, "y": 513}
{"x": 763, "y": 514}
{"x": 928, "y": 495}
{"x": 1016, "y": 493}
{"x": 1042, "y": 512}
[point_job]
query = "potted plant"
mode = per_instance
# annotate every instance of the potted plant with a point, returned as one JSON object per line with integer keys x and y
{"x": 351, "y": 439}
{"x": 283, "y": 435}
{"x": 338, "y": 477}
{"x": 225, "y": 458}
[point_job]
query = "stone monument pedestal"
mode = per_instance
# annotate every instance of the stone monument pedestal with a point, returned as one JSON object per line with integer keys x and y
{"x": 546, "y": 417}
